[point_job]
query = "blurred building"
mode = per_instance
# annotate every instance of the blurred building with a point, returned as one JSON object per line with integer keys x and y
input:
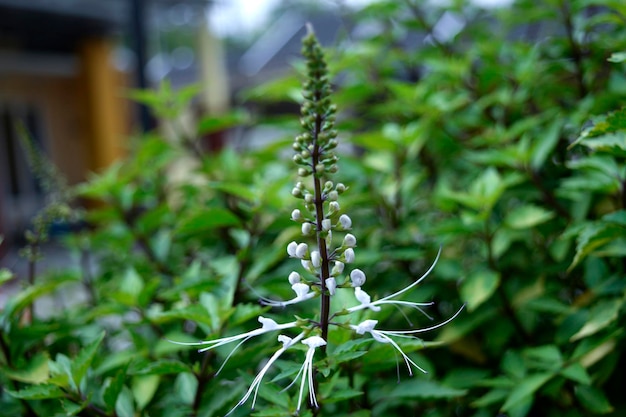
{"x": 64, "y": 69}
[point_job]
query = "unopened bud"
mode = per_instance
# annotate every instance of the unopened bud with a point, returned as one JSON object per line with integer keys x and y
{"x": 333, "y": 207}
{"x": 349, "y": 240}
{"x": 316, "y": 259}
{"x": 337, "y": 269}
{"x": 357, "y": 277}
{"x": 296, "y": 215}
{"x": 291, "y": 249}
{"x": 345, "y": 221}
{"x": 302, "y": 250}
{"x": 306, "y": 228}
{"x": 326, "y": 224}
{"x": 331, "y": 285}
{"x": 348, "y": 255}
{"x": 294, "y": 277}
{"x": 333, "y": 195}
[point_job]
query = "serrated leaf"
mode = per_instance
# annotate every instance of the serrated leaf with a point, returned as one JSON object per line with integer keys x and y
{"x": 478, "y": 287}
{"x": 524, "y": 389}
{"x": 82, "y": 362}
{"x": 601, "y": 316}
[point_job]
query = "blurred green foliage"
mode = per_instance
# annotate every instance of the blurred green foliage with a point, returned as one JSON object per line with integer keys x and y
{"x": 504, "y": 143}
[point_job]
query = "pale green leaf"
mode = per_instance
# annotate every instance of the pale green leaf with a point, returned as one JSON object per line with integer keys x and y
{"x": 478, "y": 287}
{"x": 144, "y": 387}
{"x": 527, "y": 216}
{"x": 601, "y": 316}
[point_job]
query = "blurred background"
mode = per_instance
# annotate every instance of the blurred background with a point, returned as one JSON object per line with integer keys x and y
{"x": 66, "y": 67}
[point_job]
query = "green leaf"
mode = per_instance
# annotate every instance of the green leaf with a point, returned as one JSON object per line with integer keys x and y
{"x": 185, "y": 387}
{"x": 161, "y": 367}
{"x": 144, "y": 387}
{"x": 113, "y": 387}
{"x": 576, "y": 372}
{"x": 593, "y": 399}
{"x": 203, "y": 222}
{"x": 525, "y": 389}
{"x": 545, "y": 144}
{"x": 601, "y": 316}
{"x": 543, "y": 357}
{"x": 124, "y": 406}
{"x": 213, "y": 124}
{"x": 82, "y": 362}
{"x": 527, "y": 216}
{"x": 423, "y": 388}
{"x": 35, "y": 372}
{"x": 26, "y": 297}
{"x": 478, "y": 287}
{"x": 235, "y": 189}
{"x": 132, "y": 283}
{"x": 37, "y": 392}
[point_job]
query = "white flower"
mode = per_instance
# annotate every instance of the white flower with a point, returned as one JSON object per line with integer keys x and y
{"x": 364, "y": 299}
{"x": 348, "y": 255}
{"x": 302, "y": 250}
{"x": 345, "y": 221}
{"x": 294, "y": 277}
{"x": 306, "y": 228}
{"x": 367, "y": 326}
{"x": 349, "y": 240}
{"x": 357, "y": 277}
{"x": 296, "y": 215}
{"x": 333, "y": 207}
{"x": 331, "y": 284}
{"x": 291, "y": 249}
{"x": 326, "y": 224}
{"x": 316, "y": 259}
{"x": 388, "y": 299}
{"x": 303, "y": 293}
{"x": 256, "y": 383}
{"x": 267, "y": 325}
{"x": 337, "y": 269}
{"x": 306, "y": 370}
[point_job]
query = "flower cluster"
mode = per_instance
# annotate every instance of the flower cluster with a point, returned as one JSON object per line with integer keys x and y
{"x": 326, "y": 259}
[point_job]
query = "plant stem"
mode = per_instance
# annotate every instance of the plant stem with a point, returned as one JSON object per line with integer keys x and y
{"x": 321, "y": 241}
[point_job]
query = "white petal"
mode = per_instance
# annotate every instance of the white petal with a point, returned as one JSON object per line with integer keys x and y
{"x": 291, "y": 249}
{"x": 331, "y": 284}
{"x": 366, "y": 326}
{"x": 314, "y": 342}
